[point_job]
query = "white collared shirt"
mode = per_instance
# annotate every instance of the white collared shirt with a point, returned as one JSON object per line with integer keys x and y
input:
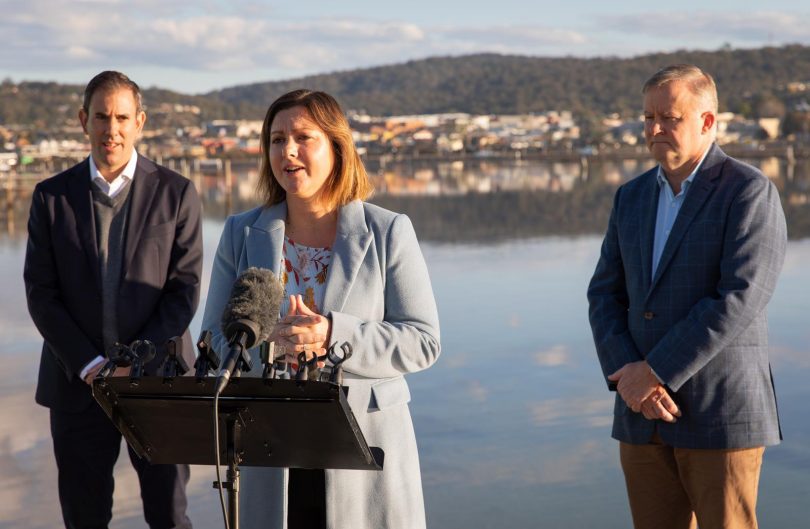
{"x": 113, "y": 188}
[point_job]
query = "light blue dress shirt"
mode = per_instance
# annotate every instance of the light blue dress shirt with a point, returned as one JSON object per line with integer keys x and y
{"x": 669, "y": 205}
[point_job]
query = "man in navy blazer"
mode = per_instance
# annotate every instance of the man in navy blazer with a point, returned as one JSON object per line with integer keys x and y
{"x": 678, "y": 300}
{"x": 114, "y": 254}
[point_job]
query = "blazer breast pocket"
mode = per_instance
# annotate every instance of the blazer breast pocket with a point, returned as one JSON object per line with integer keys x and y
{"x": 154, "y": 249}
{"x": 389, "y": 393}
{"x": 706, "y": 230}
{"x": 703, "y": 243}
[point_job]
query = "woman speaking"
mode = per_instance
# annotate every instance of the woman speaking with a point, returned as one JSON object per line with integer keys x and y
{"x": 352, "y": 272}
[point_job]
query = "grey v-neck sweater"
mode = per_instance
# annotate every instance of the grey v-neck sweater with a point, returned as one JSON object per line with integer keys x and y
{"x": 111, "y": 221}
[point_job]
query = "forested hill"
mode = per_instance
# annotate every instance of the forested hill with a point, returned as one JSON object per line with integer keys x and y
{"x": 503, "y": 84}
{"x": 45, "y": 105}
{"x": 478, "y": 84}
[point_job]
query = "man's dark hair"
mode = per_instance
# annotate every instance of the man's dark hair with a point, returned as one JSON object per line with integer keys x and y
{"x": 108, "y": 80}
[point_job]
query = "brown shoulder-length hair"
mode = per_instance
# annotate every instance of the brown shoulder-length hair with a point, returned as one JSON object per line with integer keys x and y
{"x": 348, "y": 181}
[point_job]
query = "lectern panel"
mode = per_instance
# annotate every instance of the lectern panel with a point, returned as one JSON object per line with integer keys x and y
{"x": 279, "y": 423}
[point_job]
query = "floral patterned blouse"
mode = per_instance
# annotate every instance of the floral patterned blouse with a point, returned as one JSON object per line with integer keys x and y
{"x": 303, "y": 271}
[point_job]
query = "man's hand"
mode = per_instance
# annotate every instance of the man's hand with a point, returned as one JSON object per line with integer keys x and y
{"x": 88, "y": 378}
{"x": 122, "y": 371}
{"x": 635, "y": 382}
{"x": 119, "y": 372}
{"x": 660, "y": 405}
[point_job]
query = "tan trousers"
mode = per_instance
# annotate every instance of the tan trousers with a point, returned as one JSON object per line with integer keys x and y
{"x": 678, "y": 488}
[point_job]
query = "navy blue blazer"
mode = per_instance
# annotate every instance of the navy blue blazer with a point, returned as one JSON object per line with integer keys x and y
{"x": 160, "y": 281}
{"x": 701, "y": 321}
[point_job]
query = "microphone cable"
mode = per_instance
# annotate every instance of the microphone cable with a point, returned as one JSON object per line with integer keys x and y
{"x": 219, "y": 476}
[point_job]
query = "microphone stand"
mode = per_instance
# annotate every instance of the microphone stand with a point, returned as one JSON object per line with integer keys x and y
{"x": 233, "y": 427}
{"x": 234, "y": 424}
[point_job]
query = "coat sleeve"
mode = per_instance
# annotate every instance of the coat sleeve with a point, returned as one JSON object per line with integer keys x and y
{"x": 753, "y": 253}
{"x": 223, "y": 274}
{"x": 181, "y": 291}
{"x": 608, "y": 302}
{"x": 407, "y": 339}
{"x": 65, "y": 338}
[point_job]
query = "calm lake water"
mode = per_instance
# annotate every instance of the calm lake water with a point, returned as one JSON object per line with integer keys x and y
{"x": 513, "y": 422}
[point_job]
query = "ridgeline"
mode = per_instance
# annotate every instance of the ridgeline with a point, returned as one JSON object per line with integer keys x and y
{"x": 504, "y": 84}
{"x": 751, "y": 82}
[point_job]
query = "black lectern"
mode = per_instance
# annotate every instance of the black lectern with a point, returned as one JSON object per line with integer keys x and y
{"x": 282, "y": 423}
{"x": 267, "y": 422}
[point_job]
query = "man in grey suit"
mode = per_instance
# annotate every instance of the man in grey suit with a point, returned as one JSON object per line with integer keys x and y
{"x": 114, "y": 255}
{"x": 678, "y": 300}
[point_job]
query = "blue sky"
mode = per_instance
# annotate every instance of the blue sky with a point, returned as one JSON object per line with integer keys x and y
{"x": 194, "y": 46}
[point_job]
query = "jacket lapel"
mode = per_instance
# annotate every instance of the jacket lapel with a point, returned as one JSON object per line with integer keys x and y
{"x": 648, "y": 212}
{"x": 80, "y": 199}
{"x": 701, "y": 188}
{"x": 264, "y": 240}
{"x": 351, "y": 244}
{"x": 144, "y": 189}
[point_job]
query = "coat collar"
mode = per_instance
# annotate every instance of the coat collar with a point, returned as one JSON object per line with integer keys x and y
{"x": 699, "y": 192}
{"x": 264, "y": 240}
{"x": 350, "y": 247}
{"x": 648, "y": 210}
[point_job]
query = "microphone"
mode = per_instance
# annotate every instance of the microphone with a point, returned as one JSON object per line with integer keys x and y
{"x": 248, "y": 318}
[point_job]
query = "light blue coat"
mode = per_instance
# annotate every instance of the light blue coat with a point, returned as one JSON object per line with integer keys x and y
{"x": 379, "y": 298}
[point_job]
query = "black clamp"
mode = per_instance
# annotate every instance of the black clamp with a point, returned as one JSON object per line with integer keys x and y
{"x": 308, "y": 369}
{"x": 174, "y": 364}
{"x": 207, "y": 359}
{"x": 119, "y": 355}
{"x": 143, "y": 352}
{"x": 337, "y": 361}
{"x": 273, "y": 367}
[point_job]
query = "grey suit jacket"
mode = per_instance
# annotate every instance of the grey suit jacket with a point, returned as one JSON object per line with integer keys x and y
{"x": 160, "y": 281}
{"x": 379, "y": 298}
{"x": 701, "y": 322}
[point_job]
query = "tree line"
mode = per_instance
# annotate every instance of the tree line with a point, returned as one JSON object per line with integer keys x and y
{"x": 751, "y": 82}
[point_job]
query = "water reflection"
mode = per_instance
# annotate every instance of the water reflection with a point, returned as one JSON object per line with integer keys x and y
{"x": 485, "y": 201}
{"x": 473, "y": 199}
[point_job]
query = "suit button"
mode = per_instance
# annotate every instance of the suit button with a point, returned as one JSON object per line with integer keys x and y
{"x": 649, "y": 315}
